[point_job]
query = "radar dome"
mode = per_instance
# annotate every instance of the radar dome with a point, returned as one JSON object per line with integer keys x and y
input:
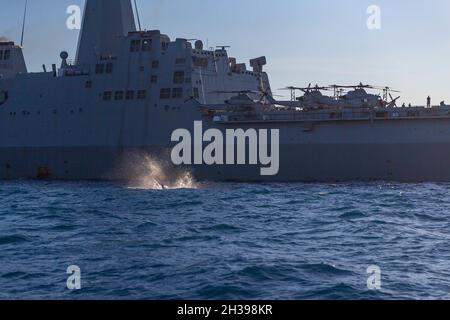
{"x": 64, "y": 55}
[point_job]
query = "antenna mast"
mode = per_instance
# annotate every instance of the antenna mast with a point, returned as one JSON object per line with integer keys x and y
{"x": 137, "y": 15}
{"x": 23, "y": 23}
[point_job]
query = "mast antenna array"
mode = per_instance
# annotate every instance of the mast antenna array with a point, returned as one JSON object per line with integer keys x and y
{"x": 137, "y": 15}
{"x": 23, "y": 22}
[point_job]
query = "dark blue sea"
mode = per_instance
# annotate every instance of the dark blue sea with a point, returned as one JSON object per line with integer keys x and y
{"x": 225, "y": 241}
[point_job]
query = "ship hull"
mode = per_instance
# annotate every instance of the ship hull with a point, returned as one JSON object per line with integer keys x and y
{"x": 412, "y": 162}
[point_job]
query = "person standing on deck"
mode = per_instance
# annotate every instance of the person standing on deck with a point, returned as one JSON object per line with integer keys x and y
{"x": 429, "y": 102}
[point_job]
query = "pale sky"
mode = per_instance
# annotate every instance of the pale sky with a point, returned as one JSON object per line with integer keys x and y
{"x": 318, "y": 41}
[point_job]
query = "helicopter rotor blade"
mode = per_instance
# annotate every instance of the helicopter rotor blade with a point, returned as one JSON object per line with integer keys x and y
{"x": 388, "y": 89}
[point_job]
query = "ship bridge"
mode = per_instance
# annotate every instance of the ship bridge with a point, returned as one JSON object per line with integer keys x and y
{"x": 104, "y": 23}
{"x": 109, "y": 45}
{"x": 12, "y": 61}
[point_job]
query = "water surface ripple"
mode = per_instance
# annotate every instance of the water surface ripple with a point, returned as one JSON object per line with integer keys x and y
{"x": 225, "y": 241}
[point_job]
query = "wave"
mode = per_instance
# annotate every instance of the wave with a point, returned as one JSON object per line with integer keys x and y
{"x": 355, "y": 214}
{"x": 323, "y": 268}
{"x": 14, "y": 239}
{"x": 143, "y": 171}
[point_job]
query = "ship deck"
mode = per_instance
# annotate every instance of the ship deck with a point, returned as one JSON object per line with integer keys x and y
{"x": 334, "y": 115}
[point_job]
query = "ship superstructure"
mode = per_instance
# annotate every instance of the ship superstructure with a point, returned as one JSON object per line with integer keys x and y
{"x": 128, "y": 90}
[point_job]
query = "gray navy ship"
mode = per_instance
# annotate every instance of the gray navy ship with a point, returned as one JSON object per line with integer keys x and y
{"x": 128, "y": 91}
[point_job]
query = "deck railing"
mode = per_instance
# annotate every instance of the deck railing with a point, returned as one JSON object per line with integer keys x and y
{"x": 360, "y": 114}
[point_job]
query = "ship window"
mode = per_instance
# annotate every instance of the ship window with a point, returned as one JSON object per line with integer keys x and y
{"x": 165, "y": 93}
{"x": 200, "y": 62}
{"x": 109, "y": 68}
{"x": 180, "y": 61}
{"x": 155, "y": 64}
{"x": 99, "y": 68}
{"x": 88, "y": 84}
{"x": 118, "y": 95}
{"x": 130, "y": 95}
{"x": 135, "y": 45}
{"x": 1, "y": 54}
{"x": 107, "y": 95}
{"x": 6, "y": 55}
{"x": 154, "y": 79}
{"x": 142, "y": 94}
{"x": 177, "y": 93}
{"x": 164, "y": 45}
{"x": 146, "y": 45}
{"x": 196, "y": 93}
{"x": 178, "y": 77}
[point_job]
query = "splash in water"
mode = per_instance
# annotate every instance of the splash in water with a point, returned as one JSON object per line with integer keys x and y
{"x": 151, "y": 173}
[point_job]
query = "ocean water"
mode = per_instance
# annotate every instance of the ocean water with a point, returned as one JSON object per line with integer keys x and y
{"x": 224, "y": 241}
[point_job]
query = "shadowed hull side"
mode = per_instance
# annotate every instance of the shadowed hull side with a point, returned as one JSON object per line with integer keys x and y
{"x": 301, "y": 163}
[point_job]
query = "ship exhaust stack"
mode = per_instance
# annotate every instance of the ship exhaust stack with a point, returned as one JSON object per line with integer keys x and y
{"x": 104, "y": 23}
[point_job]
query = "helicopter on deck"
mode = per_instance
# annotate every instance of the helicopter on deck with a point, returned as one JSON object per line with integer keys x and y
{"x": 313, "y": 98}
{"x": 242, "y": 101}
{"x": 354, "y": 96}
{"x": 359, "y": 97}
